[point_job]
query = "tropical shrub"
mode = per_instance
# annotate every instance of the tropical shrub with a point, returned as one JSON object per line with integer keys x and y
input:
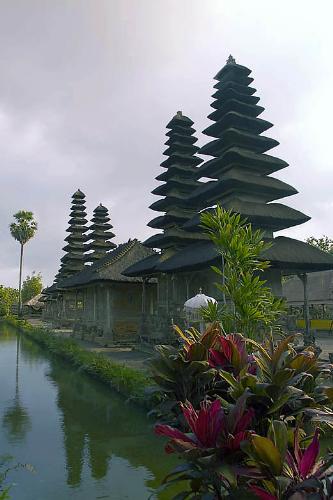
{"x": 256, "y": 430}
{"x": 245, "y": 415}
{"x": 8, "y": 298}
{"x": 31, "y": 286}
{"x": 181, "y": 374}
{"x": 248, "y": 303}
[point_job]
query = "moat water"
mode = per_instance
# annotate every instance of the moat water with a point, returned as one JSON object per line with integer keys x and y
{"x": 83, "y": 441}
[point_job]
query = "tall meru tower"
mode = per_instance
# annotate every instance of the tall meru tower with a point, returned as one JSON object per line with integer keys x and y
{"x": 74, "y": 259}
{"x": 241, "y": 167}
{"x": 179, "y": 181}
{"x": 100, "y": 235}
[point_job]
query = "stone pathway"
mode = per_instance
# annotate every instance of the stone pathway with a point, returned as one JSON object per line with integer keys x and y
{"x": 325, "y": 342}
{"x": 123, "y": 355}
{"x": 136, "y": 358}
{"x": 127, "y": 356}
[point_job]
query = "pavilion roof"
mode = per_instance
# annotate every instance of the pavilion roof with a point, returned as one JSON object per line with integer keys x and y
{"x": 110, "y": 267}
{"x": 289, "y": 255}
{"x": 144, "y": 267}
{"x": 35, "y": 302}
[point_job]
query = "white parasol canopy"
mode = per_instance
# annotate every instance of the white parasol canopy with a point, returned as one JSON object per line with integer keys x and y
{"x": 198, "y": 301}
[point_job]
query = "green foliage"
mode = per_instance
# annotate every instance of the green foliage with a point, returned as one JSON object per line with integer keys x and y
{"x": 324, "y": 243}
{"x": 181, "y": 375}
{"x": 212, "y": 312}
{"x": 24, "y": 228}
{"x": 32, "y": 286}
{"x": 8, "y": 298}
{"x": 250, "y": 304}
{"x": 125, "y": 380}
{"x": 245, "y": 421}
{"x": 22, "y": 231}
{"x": 274, "y": 392}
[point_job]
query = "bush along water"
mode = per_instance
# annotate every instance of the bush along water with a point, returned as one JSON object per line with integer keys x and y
{"x": 245, "y": 415}
{"x": 127, "y": 381}
{"x": 7, "y": 466}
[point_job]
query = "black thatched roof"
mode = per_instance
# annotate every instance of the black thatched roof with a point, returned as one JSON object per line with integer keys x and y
{"x": 109, "y": 268}
{"x": 144, "y": 267}
{"x": 297, "y": 256}
{"x": 50, "y": 289}
{"x": 274, "y": 216}
{"x": 287, "y": 254}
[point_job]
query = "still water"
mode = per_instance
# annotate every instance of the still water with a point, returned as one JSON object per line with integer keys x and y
{"x": 84, "y": 441}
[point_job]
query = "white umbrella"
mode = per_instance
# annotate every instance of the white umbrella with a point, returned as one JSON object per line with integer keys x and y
{"x": 193, "y": 307}
{"x": 198, "y": 301}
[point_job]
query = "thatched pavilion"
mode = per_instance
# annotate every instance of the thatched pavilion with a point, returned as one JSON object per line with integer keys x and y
{"x": 240, "y": 173}
{"x": 100, "y": 301}
{"x": 320, "y": 299}
{"x": 97, "y": 299}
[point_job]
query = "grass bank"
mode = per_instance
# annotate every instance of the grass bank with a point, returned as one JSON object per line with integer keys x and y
{"x": 127, "y": 381}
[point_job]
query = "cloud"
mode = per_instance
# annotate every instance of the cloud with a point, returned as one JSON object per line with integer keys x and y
{"x": 87, "y": 88}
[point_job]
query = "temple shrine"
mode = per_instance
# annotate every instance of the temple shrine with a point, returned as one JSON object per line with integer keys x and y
{"x": 157, "y": 277}
{"x": 240, "y": 179}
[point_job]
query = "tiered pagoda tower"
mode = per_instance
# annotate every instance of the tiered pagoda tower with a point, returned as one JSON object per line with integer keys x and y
{"x": 100, "y": 235}
{"x": 74, "y": 259}
{"x": 60, "y": 274}
{"x": 179, "y": 181}
{"x": 240, "y": 166}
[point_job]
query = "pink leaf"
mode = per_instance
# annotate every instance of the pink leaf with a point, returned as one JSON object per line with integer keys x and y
{"x": 261, "y": 493}
{"x": 309, "y": 457}
{"x": 166, "y": 430}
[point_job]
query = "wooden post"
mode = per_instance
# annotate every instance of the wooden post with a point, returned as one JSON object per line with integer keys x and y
{"x": 143, "y": 304}
{"x": 63, "y": 306}
{"x": 173, "y": 277}
{"x": 109, "y": 313}
{"x": 307, "y": 336}
{"x": 167, "y": 293}
{"x": 76, "y": 308}
{"x": 94, "y": 305}
{"x": 158, "y": 292}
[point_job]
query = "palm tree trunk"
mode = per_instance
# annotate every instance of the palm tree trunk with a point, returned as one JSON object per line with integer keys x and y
{"x": 20, "y": 283}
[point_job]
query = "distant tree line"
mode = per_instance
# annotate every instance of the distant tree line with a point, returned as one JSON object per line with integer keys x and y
{"x": 9, "y": 297}
{"x": 324, "y": 243}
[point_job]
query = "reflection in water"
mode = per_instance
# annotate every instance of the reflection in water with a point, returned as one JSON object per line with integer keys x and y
{"x": 16, "y": 420}
{"x": 102, "y": 425}
{"x": 83, "y": 440}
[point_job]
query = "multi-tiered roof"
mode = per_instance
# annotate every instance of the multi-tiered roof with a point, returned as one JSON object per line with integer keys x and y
{"x": 240, "y": 169}
{"x": 100, "y": 235}
{"x": 240, "y": 165}
{"x": 179, "y": 181}
{"x": 74, "y": 259}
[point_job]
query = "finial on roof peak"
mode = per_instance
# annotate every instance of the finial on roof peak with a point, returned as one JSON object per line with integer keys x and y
{"x": 231, "y": 60}
{"x": 179, "y": 113}
{"x": 78, "y": 192}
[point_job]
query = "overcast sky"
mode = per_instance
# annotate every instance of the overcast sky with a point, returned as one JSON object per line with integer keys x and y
{"x": 87, "y": 87}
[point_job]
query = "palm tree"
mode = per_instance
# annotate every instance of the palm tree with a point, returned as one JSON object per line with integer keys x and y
{"x": 22, "y": 230}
